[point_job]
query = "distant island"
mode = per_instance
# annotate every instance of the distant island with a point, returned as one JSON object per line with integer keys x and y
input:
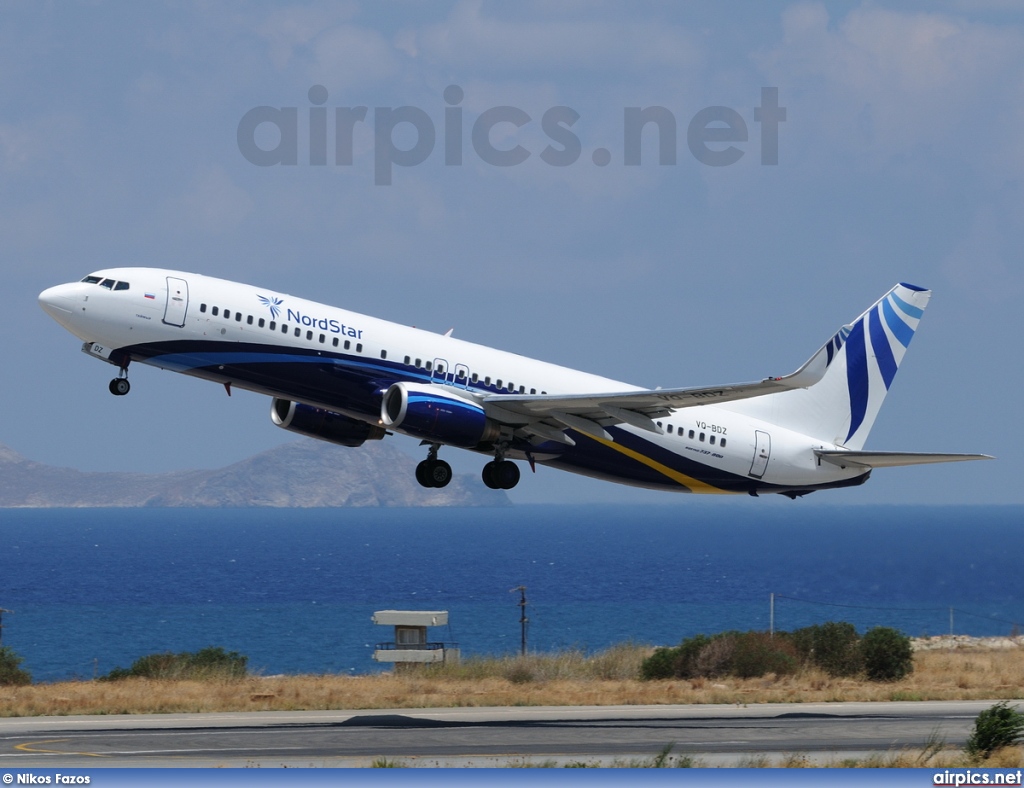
{"x": 307, "y": 473}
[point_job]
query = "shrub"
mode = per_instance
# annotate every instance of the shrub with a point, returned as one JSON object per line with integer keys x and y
{"x": 997, "y": 726}
{"x": 675, "y": 663}
{"x": 832, "y": 646}
{"x": 887, "y": 654}
{"x": 11, "y": 673}
{"x": 758, "y": 653}
{"x": 688, "y": 653}
{"x": 208, "y": 663}
{"x": 660, "y": 665}
{"x": 742, "y": 654}
{"x": 715, "y": 659}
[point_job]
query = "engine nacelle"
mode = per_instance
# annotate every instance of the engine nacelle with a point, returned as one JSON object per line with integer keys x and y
{"x": 437, "y": 413}
{"x": 323, "y": 424}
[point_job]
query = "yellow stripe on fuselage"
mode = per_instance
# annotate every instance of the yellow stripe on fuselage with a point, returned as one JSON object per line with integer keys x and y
{"x": 692, "y": 484}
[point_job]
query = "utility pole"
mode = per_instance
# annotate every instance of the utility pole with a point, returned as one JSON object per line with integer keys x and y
{"x": 771, "y": 615}
{"x": 523, "y": 620}
{"x": 2, "y": 611}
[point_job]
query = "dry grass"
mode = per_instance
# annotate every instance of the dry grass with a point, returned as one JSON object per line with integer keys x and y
{"x": 569, "y": 679}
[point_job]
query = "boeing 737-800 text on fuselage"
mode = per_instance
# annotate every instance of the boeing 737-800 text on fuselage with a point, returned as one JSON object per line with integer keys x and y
{"x": 348, "y": 378}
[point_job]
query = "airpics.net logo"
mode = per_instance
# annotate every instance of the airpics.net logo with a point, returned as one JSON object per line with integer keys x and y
{"x": 269, "y": 136}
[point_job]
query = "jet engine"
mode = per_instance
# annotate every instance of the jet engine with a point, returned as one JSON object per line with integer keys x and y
{"x": 323, "y": 424}
{"x": 437, "y": 413}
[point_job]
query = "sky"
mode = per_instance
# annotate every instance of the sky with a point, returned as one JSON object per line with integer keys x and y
{"x": 493, "y": 187}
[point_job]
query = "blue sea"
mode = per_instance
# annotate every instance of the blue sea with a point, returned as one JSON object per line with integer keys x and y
{"x": 294, "y": 590}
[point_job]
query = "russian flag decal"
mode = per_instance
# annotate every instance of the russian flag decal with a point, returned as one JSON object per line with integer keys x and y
{"x": 150, "y": 295}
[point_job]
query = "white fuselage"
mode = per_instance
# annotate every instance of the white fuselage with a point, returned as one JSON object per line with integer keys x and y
{"x": 342, "y": 361}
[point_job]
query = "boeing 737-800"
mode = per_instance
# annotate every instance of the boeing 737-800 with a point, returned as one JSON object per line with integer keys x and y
{"x": 348, "y": 378}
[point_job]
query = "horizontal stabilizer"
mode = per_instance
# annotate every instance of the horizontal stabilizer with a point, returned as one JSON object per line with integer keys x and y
{"x": 892, "y": 459}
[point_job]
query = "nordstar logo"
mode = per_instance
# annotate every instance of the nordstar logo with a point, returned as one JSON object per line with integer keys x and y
{"x": 273, "y": 302}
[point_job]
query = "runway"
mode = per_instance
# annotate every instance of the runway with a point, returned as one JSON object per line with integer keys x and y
{"x": 482, "y": 737}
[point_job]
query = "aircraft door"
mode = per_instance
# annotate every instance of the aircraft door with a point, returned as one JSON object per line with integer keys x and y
{"x": 177, "y": 301}
{"x": 462, "y": 376}
{"x": 439, "y": 374}
{"x": 762, "y": 451}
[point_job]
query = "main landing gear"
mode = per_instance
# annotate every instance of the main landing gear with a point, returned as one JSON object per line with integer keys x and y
{"x": 500, "y": 474}
{"x": 120, "y": 386}
{"x": 433, "y": 472}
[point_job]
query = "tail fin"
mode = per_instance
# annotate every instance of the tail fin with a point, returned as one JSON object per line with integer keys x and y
{"x": 861, "y": 362}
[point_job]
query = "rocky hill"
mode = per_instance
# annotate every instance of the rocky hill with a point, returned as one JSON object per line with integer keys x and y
{"x": 306, "y": 473}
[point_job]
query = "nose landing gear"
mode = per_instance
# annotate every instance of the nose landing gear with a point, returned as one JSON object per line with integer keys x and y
{"x": 433, "y": 472}
{"x": 120, "y": 386}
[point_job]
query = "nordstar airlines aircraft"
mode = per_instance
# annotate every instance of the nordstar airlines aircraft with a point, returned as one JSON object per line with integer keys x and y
{"x": 348, "y": 378}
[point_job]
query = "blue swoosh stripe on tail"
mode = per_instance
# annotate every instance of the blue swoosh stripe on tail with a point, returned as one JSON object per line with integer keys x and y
{"x": 913, "y": 311}
{"x": 857, "y": 376}
{"x": 900, "y": 330}
{"x": 880, "y": 344}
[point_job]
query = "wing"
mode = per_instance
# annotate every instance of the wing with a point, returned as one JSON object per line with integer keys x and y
{"x": 892, "y": 459}
{"x": 547, "y": 416}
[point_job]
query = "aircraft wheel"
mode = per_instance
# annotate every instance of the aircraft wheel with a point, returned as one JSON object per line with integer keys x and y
{"x": 506, "y": 474}
{"x": 119, "y": 387}
{"x": 440, "y": 473}
{"x": 487, "y": 474}
{"x": 423, "y": 474}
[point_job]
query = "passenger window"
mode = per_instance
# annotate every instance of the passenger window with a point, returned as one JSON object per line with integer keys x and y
{"x": 383, "y": 354}
{"x": 214, "y": 311}
{"x": 712, "y": 440}
{"x": 249, "y": 320}
{"x": 261, "y": 322}
{"x": 487, "y": 381}
{"x": 238, "y": 317}
{"x": 309, "y": 335}
{"x": 522, "y": 389}
{"x": 440, "y": 369}
{"x": 475, "y": 378}
{"x": 227, "y": 314}
{"x": 427, "y": 366}
{"x": 273, "y": 325}
{"x": 298, "y": 331}
{"x": 323, "y": 338}
{"x": 202, "y": 307}
{"x": 498, "y": 383}
{"x": 121, "y": 286}
{"x": 335, "y": 342}
{"x": 533, "y": 391}
{"x": 702, "y": 437}
{"x": 284, "y": 328}
{"x": 359, "y": 347}
{"x": 347, "y": 344}
{"x": 669, "y": 429}
{"x": 723, "y": 443}
{"x": 691, "y": 434}
{"x": 407, "y": 360}
{"x": 419, "y": 362}
{"x": 107, "y": 283}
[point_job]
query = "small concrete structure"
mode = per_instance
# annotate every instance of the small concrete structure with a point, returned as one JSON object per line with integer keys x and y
{"x": 410, "y": 643}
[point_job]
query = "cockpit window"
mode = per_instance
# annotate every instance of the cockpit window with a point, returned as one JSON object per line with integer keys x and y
{"x": 107, "y": 283}
{"x": 121, "y": 286}
{"x": 92, "y": 280}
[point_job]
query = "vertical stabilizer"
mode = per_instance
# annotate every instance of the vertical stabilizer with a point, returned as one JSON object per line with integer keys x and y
{"x": 862, "y": 359}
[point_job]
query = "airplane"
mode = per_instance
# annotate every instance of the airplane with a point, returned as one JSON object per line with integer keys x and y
{"x": 347, "y": 378}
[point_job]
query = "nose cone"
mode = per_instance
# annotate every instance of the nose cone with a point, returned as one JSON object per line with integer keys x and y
{"x": 57, "y": 302}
